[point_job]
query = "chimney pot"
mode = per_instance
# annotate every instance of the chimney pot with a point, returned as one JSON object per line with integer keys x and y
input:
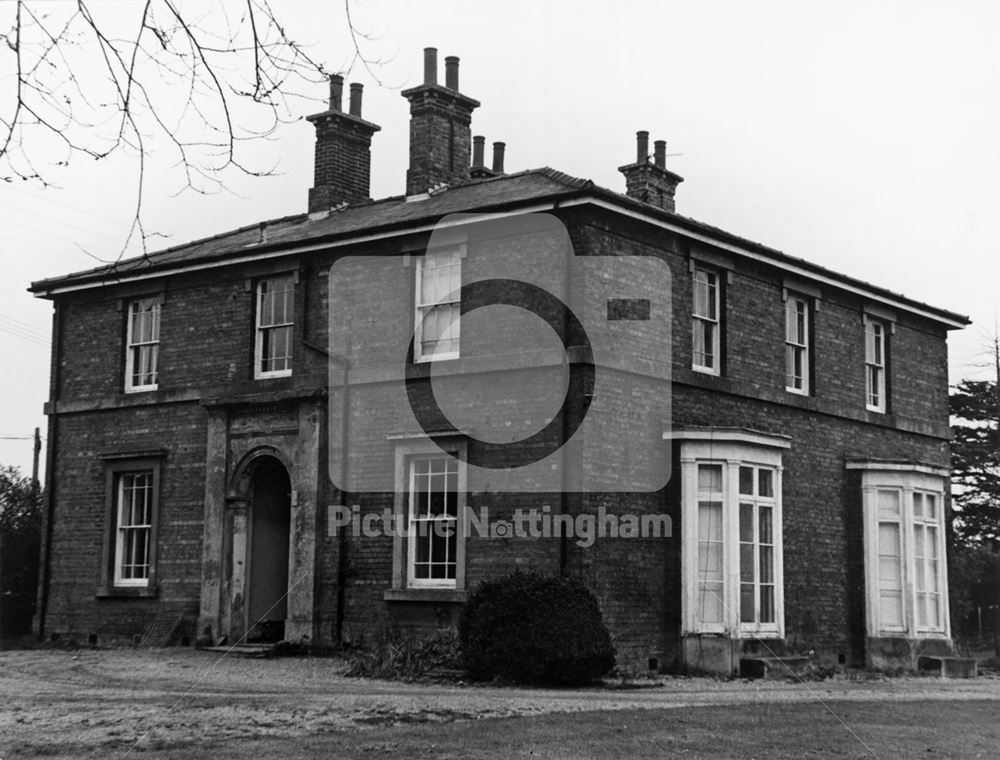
{"x": 356, "y": 90}
{"x": 478, "y": 149}
{"x": 660, "y": 153}
{"x": 650, "y": 183}
{"x": 641, "y": 146}
{"x": 498, "y": 149}
{"x": 451, "y": 72}
{"x": 430, "y": 65}
{"x": 336, "y": 91}
{"x": 342, "y": 158}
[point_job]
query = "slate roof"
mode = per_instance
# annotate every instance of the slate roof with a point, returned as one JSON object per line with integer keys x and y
{"x": 398, "y": 213}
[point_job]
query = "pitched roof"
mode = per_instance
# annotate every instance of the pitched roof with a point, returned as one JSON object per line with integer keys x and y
{"x": 509, "y": 191}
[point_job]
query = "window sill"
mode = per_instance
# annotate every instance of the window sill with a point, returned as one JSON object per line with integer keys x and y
{"x": 447, "y": 595}
{"x": 705, "y": 371}
{"x": 141, "y": 388}
{"x": 127, "y": 592}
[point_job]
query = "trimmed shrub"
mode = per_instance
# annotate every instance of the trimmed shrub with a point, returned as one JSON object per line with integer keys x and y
{"x": 534, "y": 629}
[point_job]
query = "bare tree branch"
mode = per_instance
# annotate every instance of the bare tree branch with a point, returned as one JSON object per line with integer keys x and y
{"x": 206, "y": 82}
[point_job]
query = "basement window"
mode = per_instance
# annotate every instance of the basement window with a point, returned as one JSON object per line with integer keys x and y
{"x": 275, "y": 320}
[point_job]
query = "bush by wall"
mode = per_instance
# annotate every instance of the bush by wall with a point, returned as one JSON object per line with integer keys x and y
{"x": 535, "y": 629}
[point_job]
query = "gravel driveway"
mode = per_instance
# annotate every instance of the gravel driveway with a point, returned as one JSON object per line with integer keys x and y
{"x": 54, "y": 701}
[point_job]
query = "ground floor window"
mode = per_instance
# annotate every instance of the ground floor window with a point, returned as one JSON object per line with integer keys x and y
{"x": 432, "y": 514}
{"x": 429, "y": 551}
{"x": 129, "y": 554}
{"x": 905, "y": 569}
{"x": 731, "y": 514}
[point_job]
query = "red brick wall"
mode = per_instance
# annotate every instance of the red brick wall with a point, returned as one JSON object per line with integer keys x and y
{"x": 207, "y": 345}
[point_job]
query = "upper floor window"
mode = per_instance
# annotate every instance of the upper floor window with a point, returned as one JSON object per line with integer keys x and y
{"x": 275, "y": 319}
{"x": 875, "y": 365}
{"x": 142, "y": 345}
{"x": 705, "y": 322}
{"x": 797, "y": 345}
{"x": 437, "y": 323}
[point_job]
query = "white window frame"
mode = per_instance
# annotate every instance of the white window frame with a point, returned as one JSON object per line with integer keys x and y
{"x": 133, "y": 346}
{"x": 404, "y": 542}
{"x": 711, "y": 279}
{"x": 731, "y": 449}
{"x": 876, "y": 364}
{"x": 260, "y": 328}
{"x": 797, "y": 344}
{"x": 126, "y": 531}
{"x": 420, "y": 309}
{"x": 413, "y": 522}
{"x": 906, "y": 480}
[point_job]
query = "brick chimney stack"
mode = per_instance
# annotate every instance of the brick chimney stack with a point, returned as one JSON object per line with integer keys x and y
{"x": 440, "y": 131}
{"x": 342, "y": 167}
{"x": 647, "y": 181}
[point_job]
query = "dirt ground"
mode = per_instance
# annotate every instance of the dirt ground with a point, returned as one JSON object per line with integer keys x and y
{"x": 118, "y": 703}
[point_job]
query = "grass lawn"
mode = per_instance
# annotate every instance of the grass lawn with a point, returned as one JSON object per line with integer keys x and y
{"x": 891, "y": 730}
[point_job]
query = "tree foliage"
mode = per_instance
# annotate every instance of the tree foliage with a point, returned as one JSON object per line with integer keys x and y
{"x": 20, "y": 539}
{"x": 976, "y": 461}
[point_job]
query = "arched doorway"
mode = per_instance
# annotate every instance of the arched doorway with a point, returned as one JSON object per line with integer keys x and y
{"x": 267, "y": 576}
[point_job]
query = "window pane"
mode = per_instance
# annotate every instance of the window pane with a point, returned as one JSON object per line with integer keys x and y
{"x": 767, "y": 604}
{"x": 766, "y": 483}
{"x": 709, "y": 521}
{"x": 747, "y": 612}
{"x": 766, "y": 525}
{"x": 746, "y": 480}
{"x": 746, "y": 523}
{"x": 710, "y": 478}
{"x": 746, "y": 563}
{"x": 889, "y": 572}
{"x": 891, "y": 609}
{"x": 888, "y": 503}
{"x": 766, "y": 564}
{"x": 705, "y": 291}
{"x": 709, "y": 603}
{"x": 888, "y": 540}
{"x": 930, "y": 503}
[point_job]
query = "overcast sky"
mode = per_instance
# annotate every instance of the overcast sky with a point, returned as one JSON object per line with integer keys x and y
{"x": 863, "y": 136}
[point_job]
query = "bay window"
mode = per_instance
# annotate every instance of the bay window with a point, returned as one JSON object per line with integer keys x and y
{"x": 905, "y": 569}
{"x": 732, "y": 536}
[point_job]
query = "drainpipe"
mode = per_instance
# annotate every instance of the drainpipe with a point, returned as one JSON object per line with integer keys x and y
{"x": 45, "y": 569}
{"x": 345, "y": 365}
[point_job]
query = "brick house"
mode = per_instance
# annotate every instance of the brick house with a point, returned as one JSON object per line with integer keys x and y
{"x": 206, "y": 399}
